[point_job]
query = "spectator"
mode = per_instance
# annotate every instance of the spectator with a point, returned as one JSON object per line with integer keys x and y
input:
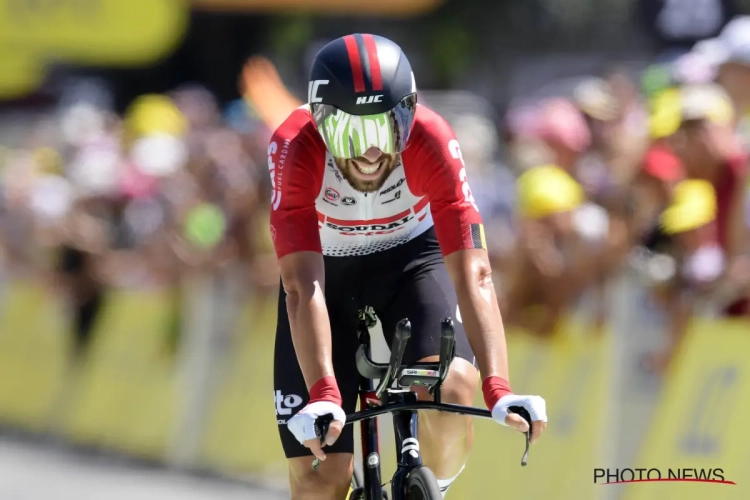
{"x": 552, "y": 264}
{"x": 687, "y": 229}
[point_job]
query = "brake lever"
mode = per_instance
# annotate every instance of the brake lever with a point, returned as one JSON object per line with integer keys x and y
{"x": 322, "y": 425}
{"x": 520, "y": 410}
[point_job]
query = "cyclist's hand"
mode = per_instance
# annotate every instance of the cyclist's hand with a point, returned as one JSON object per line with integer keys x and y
{"x": 535, "y": 405}
{"x": 302, "y": 425}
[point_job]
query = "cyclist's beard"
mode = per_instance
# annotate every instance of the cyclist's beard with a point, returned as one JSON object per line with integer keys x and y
{"x": 348, "y": 168}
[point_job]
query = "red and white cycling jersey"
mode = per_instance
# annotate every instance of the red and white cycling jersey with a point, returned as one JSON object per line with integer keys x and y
{"x": 314, "y": 208}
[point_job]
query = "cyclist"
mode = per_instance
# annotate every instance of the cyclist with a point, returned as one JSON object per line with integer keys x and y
{"x": 371, "y": 206}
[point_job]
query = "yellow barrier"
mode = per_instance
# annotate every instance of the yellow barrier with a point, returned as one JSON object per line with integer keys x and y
{"x": 123, "y": 396}
{"x": 33, "y": 343}
{"x": 242, "y": 431}
{"x": 125, "y": 393}
{"x": 571, "y": 374}
{"x": 702, "y": 419}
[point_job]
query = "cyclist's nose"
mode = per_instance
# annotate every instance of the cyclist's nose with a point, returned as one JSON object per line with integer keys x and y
{"x": 372, "y": 154}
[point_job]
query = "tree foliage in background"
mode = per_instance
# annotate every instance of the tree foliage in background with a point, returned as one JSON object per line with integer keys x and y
{"x": 451, "y": 49}
{"x": 290, "y": 35}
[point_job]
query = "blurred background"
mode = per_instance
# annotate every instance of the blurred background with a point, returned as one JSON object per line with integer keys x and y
{"x": 606, "y": 142}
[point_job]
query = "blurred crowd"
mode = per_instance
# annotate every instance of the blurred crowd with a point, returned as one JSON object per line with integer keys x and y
{"x": 648, "y": 172}
{"x": 645, "y": 172}
{"x": 175, "y": 186}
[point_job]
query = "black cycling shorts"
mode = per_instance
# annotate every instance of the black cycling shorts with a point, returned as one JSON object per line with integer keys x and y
{"x": 408, "y": 281}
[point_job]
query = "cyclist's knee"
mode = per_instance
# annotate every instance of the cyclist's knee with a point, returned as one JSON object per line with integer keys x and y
{"x": 330, "y": 482}
{"x": 459, "y": 387}
{"x": 461, "y": 384}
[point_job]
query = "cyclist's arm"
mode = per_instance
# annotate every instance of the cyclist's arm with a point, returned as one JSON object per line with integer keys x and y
{"x": 295, "y": 160}
{"x": 471, "y": 274}
{"x": 302, "y": 276}
{"x": 439, "y": 173}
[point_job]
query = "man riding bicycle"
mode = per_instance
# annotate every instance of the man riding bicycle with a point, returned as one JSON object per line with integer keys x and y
{"x": 371, "y": 207}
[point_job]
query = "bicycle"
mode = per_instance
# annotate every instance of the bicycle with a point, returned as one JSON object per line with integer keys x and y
{"x": 412, "y": 480}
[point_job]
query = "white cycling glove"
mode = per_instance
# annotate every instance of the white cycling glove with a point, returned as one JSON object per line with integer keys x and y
{"x": 302, "y": 425}
{"x": 535, "y": 405}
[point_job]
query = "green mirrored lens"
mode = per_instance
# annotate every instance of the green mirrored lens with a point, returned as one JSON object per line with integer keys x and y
{"x": 349, "y": 136}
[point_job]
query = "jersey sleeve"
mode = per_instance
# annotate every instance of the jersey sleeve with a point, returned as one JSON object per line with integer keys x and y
{"x": 295, "y": 162}
{"x": 435, "y": 169}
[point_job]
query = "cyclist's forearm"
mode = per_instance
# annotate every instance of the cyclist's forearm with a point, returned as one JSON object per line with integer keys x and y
{"x": 311, "y": 332}
{"x": 472, "y": 277}
{"x": 303, "y": 277}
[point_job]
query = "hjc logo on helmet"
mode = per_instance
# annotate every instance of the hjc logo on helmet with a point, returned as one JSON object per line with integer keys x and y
{"x": 369, "y": 100}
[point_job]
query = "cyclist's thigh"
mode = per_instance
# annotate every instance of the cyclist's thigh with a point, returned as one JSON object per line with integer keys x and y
{"x": 426, "y": 296}
{"x": 290, "y": 390}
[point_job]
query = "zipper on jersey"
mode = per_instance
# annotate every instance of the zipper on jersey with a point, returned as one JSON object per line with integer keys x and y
{"x": 368, "y": 213}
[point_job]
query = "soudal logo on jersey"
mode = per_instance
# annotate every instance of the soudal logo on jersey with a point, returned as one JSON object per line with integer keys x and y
{"x": 391, "y": 188}
{"x": 369, "y": 100}
{"x": 332, "y": 195}
{"x": 371, "y": 228}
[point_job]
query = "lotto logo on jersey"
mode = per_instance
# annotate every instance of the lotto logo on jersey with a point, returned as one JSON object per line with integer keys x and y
{"x": 332, "y": 195}
{"x": 286, "y": 404}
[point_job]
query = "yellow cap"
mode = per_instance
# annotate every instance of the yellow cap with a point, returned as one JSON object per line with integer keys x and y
{"x": 154, "y": 114}
{"x": 693, "y": 205}
{"x": 666, "y": 113}
{"x": 547, "y": 190}
{"x": 692, "y": 102}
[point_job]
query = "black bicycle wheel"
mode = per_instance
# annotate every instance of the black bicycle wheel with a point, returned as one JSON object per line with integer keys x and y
{"x": 421, "y": 484}
{"x": 357, "y": 494}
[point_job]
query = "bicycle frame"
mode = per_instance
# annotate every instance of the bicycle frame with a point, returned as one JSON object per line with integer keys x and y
{"x": 370, "y": 434}
{"x": 402, "y": 403}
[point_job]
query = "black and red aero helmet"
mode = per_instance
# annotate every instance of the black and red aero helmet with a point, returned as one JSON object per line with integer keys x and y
{"x": 362, "y": 94}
